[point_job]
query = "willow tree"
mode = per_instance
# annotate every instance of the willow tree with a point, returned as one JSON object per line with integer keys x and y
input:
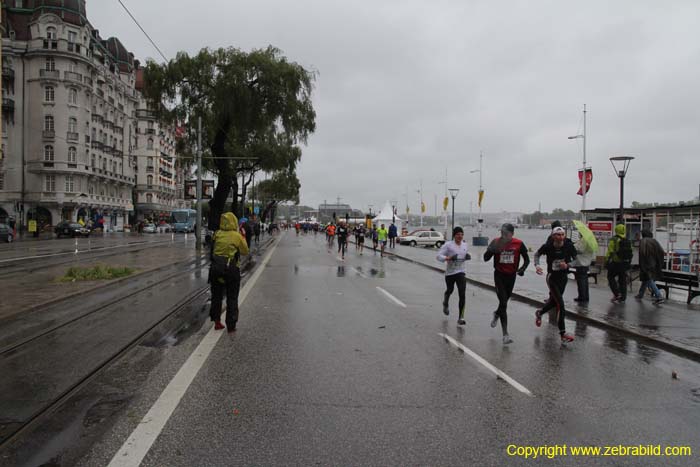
{"x": 256, "y": 111}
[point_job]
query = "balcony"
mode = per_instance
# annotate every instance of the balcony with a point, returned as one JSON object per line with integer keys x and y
{"x": 110, "y": 99}
{"x": 49, "y": 74}
{"x": 48, "y": 134}
{"x": 87, "y": 139}
{"x": 150, "y": 131}
{"x": 97, "y": 145}
{"x": 150, "y": 169}
{"x": 71, "y": 76}
{"x": 71, "y": 136}
{"x": 8, "y": 104}
{"x": 143, "y": 113}
{"x": 100, "y": 92}
{"x": 97, "y": 118}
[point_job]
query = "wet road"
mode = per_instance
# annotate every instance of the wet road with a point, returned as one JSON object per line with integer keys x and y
{"x": 353, "y": 363}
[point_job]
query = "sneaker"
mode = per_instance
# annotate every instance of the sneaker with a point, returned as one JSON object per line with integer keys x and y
{"x": 218, "y": 326}
{"x": 232, "y": 328}
{"x": 659, "y": 300}
{"x": 494, "y": 321}
{"x": 446, "y": 310}
{"x": 566, "y": 338}
{"x": 617, "y": 299}
{"x": 639, "y": 297}
{"x": 461, "y": 322}
{"x": 538, "y": 318}
{"x": 507, "y": 340}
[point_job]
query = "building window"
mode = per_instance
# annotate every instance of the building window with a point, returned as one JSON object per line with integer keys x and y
{"x": 48, "y": 153}
{"x": 50, "y": 64}
{"x": 91, "y": 189}
{"x": 150, "y": 143}
{"x": 72, "y": 155}
{"x": 73, "y": 96}
{"x": 149, "y": 180}
{"x": 73, "y": 125}
{"x": 72, "y": 36}
{"x": 49, "y": 183}
{"x": 104, "y": 165}
{"x": 92, "y": 161}
{"x": 50, "y": 31}
{"x": 149, "y": 198}
{"x": 49, "y": 94}
{"x": 48, "y": 123}
{"x": 69, "y": 184}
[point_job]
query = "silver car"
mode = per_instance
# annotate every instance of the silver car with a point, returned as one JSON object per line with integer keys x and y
{"x": 423, "y": 238}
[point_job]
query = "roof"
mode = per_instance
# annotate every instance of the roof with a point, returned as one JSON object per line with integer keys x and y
{"x": 695, "y": 207}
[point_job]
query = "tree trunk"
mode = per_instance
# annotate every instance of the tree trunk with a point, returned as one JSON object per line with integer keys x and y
{"x": 217, "y": 204}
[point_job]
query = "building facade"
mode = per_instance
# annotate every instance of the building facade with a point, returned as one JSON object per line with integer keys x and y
{"x": 72, "y": 119}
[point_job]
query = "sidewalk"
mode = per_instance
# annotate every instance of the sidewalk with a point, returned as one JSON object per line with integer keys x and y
{"x": 672, "y": 326}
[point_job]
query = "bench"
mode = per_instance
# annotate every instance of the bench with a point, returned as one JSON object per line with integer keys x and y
{"x": 593, "y": 271}
{"x": 680, "y": 280}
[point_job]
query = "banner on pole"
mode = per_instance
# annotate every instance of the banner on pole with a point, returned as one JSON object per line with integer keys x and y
{"x": 481, "y": 197}
{"x": 422, "y": 207}
{"x": 589, "y": 179}
{"x": 191, "y": 189}
{"x": 445, "y": 203}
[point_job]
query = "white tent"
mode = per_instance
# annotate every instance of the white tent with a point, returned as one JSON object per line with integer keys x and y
{"x": 385, "y": 215}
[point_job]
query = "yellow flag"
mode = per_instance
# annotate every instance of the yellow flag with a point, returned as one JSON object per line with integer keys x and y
{"x": 407, "y": 209}
{"x": 422, "y": 206}
{"x": 445, "y": 203}
{"x": 481, "y": 196}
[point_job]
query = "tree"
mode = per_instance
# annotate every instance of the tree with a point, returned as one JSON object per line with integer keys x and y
{"x": 255, "y": 108}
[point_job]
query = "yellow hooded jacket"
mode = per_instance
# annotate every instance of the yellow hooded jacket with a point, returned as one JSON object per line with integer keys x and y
{"x": 614, "y": 244}
{"x": 227, "y": 240}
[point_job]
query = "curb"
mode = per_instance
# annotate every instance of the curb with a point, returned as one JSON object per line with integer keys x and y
{"x": 661, "y": 343}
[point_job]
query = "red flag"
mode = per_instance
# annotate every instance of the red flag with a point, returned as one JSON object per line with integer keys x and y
{"x": 589, "y": 179}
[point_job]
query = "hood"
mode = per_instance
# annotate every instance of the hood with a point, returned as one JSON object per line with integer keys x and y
{"x": 620, "y": 230}
{"x": 646, "y": 233}
{"x": 228, "y": 221}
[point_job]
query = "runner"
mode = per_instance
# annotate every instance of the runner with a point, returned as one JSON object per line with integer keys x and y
{"x": 454, "y": 253}
{"x": 330, "y": 232}
{"x": 506, "y": 252}
{"x": 342, "y": 233}
{"x": 560, "y": 251}
{"x": 617, "y": 260}
{"x": 382, "y": 234}
{"x": 360, "y": 237}
{"x": 375, "y": 238}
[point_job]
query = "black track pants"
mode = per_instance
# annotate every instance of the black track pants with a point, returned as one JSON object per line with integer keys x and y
{"x": 461, "y": 280}
{"x": 504, "y": 289}
{"x": 231, "y": 285}
{"x": 556, "y": 282}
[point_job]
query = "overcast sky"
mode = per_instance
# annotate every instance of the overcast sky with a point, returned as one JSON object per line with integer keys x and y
{"x": 406, "y": 89}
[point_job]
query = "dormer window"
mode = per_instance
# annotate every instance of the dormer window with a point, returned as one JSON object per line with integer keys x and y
{"x": 50, "y": 32}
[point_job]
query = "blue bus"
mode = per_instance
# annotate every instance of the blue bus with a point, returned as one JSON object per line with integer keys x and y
{"x": 183, "y": 220}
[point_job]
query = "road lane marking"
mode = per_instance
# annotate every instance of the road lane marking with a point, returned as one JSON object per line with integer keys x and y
{"x": 359, "y": 273}
{"x": 392, "y": 298}
{"x": 135, "y": 448}
{"x": 487, "y": 365}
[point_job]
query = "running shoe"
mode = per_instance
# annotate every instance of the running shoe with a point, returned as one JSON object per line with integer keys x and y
{"x": 659, "y": 300}
{"x": 494, "y": 321}
{"x": 639, "y": 297}
{"x": 446, "y": 309}
{"x": 617, "y": 299}
{"x": 218, "y": 326}
{"x": 507, "y": 340}
{"x": 538, "y": 318}
{"x": 565, "y": 338}
{"x": 461, "y": 322}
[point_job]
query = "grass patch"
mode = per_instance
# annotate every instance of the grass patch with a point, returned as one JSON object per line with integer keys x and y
{"x": 95, "y": 273}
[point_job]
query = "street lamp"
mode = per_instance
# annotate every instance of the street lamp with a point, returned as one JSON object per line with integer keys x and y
{"x": 453, "y": 193}
{"x": 620, "y": 165}
{"x": 479, "y": 240}
{"x": 393, "y": 212}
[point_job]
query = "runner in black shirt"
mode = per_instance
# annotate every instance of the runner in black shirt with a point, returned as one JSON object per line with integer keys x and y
{"x": 342, "y": 233}
{"x": 560, "y": 251}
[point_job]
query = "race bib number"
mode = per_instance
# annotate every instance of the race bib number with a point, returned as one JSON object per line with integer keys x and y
{"x": 557, "y": 265}
{"x": 507, "y": 257}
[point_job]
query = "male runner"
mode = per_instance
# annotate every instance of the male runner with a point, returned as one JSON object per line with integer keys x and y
{"x": 375, "y": 239}
{"x": 560, "y": 252}
{"x": 342, "y": 233}
{"x": 360, "y": 237}
{"x": 382, "y": 234}
{"x": 454, "y": 253}
{"x": 393, "y": 233}
{"x": 330, "y": 230}
{"x": 506, "y": 252}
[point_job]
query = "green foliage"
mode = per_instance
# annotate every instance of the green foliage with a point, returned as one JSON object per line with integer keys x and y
{"x": 254, "y": 106}
{"x": 281, "y": 187}
{"x": 95, "y": 273}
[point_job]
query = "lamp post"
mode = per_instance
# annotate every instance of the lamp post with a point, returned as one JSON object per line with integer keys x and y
{"x": 453, "y": 193}
{"x": 620, "y": 165}
{"x": 479, "y": 240}
{"x": 584, "y": 178}
{"x": 393, "y": 212}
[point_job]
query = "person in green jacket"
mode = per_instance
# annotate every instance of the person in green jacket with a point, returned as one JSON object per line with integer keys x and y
{"x": 617, "y": 260}
{"x": 224, "y": 272}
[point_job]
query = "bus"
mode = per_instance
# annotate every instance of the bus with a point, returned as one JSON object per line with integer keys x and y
{"x": 183, "y": 220}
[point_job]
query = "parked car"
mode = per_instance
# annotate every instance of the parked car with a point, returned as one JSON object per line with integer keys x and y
{"x": 6, "y": 233}
{"x": 71, "y": 229}
{"x": 149, "y": 228}
{"x": 423, "y": 238}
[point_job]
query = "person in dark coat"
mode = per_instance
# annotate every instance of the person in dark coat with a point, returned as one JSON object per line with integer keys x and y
{"x": 651, "y": 263}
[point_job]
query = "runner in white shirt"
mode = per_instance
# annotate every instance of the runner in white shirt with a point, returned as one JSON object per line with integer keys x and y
{"x": 454, "y": 253}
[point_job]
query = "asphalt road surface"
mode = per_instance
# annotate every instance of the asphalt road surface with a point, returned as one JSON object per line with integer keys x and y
{"x": 353, "y": 363}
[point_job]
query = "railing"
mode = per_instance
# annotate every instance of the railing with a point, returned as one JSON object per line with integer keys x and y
{"x": 48, "y": 134}
{"x": 52, "y": 74}
{"x": 72, "y": 76}
{"x": 97, "y": 118}
{"x": 71, "y": 136}
{"x": 150, "y": 169}
{"x": 143, "y": 113}
{"x": 100, "y": 92}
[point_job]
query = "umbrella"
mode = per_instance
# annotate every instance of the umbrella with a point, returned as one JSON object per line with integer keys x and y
{"x": 588, "y": 237}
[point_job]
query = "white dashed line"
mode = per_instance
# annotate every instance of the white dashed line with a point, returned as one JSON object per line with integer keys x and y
{"x": 142, "y": 438}
{"x": 392, "y": 298}
{"x": 487, "y": 365}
